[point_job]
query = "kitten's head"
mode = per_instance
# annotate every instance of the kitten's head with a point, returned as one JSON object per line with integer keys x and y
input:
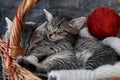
{"x": 31, "y": 35}
{"x": 61, "y": 27}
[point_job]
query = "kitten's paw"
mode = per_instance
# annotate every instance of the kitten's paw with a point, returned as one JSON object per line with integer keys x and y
{"x": 20, "y": 61}
{"x": 26, "y": 64}
{"x": 58, "y": 75}
{"x": 52, "y": 76}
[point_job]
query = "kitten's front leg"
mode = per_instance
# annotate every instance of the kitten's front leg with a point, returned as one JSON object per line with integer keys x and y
{"x": 42, "y": 54}
{"x": 48, "y": 51}
{"x": 22, "y": 61}
{"x": 31, "y": 63}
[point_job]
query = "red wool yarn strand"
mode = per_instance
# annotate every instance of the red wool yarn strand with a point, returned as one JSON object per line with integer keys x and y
{"x": 103, "y": 22}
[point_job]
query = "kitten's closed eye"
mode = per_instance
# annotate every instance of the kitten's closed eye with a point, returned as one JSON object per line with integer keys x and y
{"x": 63, "y": 33}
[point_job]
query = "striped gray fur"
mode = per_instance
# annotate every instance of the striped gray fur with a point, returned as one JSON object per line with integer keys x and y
{"x": 92, "y": 53}
{"x": 52, "y": 46}
{"x": 45, "y": 52}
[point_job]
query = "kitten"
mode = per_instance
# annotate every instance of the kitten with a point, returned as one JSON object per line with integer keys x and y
{"x": 88, "y": 58}
{"x": 49, "y": 46}
{"x": 46, "y": 51}
{"x": 90, "y": 53}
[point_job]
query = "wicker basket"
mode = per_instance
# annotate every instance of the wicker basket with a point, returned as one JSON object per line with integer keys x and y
{"x": 9, "y": 51}
{"x": 10, "y": 69}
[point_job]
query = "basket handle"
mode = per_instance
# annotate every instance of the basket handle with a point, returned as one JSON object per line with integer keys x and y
{"x": 15, "y": 48}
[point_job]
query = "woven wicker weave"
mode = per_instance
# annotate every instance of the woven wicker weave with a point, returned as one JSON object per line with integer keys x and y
{"x": 10, "y": 69}
{"x": 15, "y": 72}
{"x": 19, "y": 72}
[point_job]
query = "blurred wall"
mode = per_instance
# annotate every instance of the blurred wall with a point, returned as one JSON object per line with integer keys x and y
{"x": 72, "y": 8}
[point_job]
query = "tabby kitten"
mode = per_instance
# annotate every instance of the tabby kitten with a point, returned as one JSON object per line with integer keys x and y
{"x": 50, "y": 47}
{"x": 46, "y": 51}
{"x": 90, "y": 53}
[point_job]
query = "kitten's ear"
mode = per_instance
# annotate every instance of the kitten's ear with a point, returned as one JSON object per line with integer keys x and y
{"x": 9, "y": 22}
{"x": 38, "y": 34}
{"x": 49, "y": 16}
{"x": 78, "y": 22}
{"x": 41, "y": 27}
{"x": 7, "y": 33}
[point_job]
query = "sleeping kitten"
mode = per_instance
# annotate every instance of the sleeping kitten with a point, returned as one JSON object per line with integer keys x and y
{"x": 46, "y": 51}
{"x": 90, "y": 53}
{"x": 50, "y": 45}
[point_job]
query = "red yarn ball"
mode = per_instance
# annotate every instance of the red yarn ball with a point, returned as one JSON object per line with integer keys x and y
{"x": 103, "y": 22}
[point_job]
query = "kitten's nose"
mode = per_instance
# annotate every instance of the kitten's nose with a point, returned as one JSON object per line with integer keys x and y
{"x": 50, "y": 34}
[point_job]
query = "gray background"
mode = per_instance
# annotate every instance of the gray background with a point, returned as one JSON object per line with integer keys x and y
{"x": 72, "y": 8}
